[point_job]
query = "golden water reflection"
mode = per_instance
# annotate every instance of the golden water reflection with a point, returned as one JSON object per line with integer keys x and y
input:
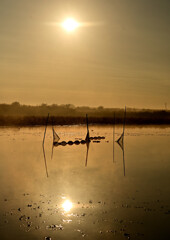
{"x": 77, "y": 201}
{"x": 67, "y": 205}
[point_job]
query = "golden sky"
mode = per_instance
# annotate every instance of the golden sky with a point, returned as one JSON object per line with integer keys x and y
{"x": 121, "y": 57}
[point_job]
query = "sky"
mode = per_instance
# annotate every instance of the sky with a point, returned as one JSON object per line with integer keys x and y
{"x": 119, "y": 56}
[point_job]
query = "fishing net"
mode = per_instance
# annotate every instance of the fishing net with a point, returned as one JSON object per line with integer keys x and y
{"x": 56, "y": 138}
{"x": 87, "y": 139}
{"x": 120, "y": 141}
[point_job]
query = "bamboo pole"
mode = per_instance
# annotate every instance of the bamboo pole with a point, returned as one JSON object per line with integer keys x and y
{"x": 45, "y": 129}
{"x": 114, "y": 137}
{"x": 43, "y": 145}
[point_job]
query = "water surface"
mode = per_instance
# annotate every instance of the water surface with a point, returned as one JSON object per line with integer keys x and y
{"x": 111, "y": 199}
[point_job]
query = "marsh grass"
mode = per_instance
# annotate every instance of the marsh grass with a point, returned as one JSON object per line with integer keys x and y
{"x": 22, "y": 115}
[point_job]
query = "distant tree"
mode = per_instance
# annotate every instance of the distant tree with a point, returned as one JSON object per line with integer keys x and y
{"x": 70, "y": 106}
{"x": 15, "y": 104}
{"x": 43, "y": 105}
{"x": 100, "y": 108}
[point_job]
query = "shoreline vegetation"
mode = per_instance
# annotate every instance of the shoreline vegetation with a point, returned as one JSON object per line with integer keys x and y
{"x": 16, "y": 114}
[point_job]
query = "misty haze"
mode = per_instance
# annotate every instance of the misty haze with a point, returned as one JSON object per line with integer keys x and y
{"x": 84, "y": 119}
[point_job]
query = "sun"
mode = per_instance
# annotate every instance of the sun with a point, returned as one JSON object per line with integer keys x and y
{"x": 70, "y": 24}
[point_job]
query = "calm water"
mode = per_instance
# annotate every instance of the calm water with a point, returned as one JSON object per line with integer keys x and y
{"x": 99, "y": 201}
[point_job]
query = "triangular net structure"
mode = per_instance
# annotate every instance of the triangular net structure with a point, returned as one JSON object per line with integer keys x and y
{"x": 87, "y": 139}
{"x": 56, "y": 138}
{"x": 120, "y": 141}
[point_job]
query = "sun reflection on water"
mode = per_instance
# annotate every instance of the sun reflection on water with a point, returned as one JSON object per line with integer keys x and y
{"x": 67, "y": 205}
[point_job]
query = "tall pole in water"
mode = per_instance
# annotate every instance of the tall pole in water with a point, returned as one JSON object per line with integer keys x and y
{"x": 87, "y": 140}
{"x": 120, "y": 141}
{"x": 123, "y": 162}
{"x": 45, "y": 161}
{"x": 87, "y": 136}
{"x": 124, "y": 121}
{"x": 88, "y": 145}
{"x": 45, "y": 129}
{"x": 43, "y": 146}
{"x": 113, "y": 136}
{"x": 87, "y": 123}
{"x": 123, "y": 141}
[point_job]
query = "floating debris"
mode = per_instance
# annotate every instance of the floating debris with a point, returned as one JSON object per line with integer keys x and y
{"x": 67, "y": 221}
{"x": 55, "y": 227}
{"x": 82, "y": 233}
{"x": 127, "y": 235}
{"x": 37, "y": 227}
{"x": 22, "y": 218}
{"x": 111, "y": 231}
{"x": 97, "y": 137}
{"x": 168, "y": 212}
{"x": 47, "y": 238}
{"x": 29, "y": 224}
{"x": 25, "y": 194}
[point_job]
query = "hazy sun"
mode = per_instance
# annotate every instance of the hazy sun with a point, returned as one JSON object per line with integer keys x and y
{"x": 70, "y": 24}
